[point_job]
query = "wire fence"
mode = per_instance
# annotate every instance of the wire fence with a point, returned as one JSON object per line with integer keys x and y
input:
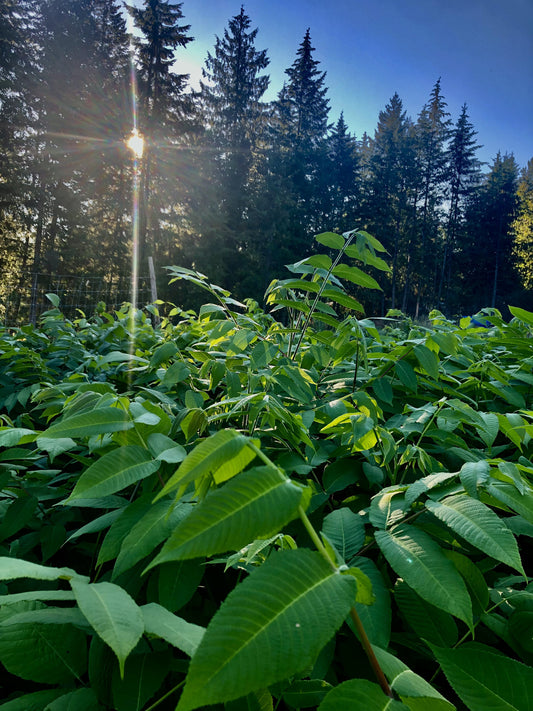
{"x": 23, "y": 296}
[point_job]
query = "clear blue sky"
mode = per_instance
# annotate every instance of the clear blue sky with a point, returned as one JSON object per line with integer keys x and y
{"x": 481, "y": 49}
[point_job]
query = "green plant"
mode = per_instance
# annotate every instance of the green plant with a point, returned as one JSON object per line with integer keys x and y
{"x": 254, "y": 513}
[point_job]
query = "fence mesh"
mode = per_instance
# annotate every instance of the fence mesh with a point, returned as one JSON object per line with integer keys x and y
{"x": 23, "y": 297}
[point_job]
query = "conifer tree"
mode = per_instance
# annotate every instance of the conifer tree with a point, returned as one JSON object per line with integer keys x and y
{"x": 343, "y": 177}
{"x": 432, "y": 131}
{"x": 487, "y": 248}
{"x": 464, "y": 175}
{"x": 522, "y": 229}
{"x": 231, "y": 99}
{"x": 392, "y": 187}
{"x": 166, "y": 114}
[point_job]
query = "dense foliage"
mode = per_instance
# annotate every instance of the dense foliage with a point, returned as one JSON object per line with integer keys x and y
{"x": 293, "y": 509}
{"x": 231, "y": 184}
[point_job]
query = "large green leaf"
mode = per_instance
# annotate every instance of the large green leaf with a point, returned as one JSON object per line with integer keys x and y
{"x": 427, "y": 621}
{"x": 356, "y": 276}
{"x": 113, "y": 615}
{"x": 255, "y": 504}
{"x": 416, "y": 558}
{"x": 95, "y": 422}
{"x": 12, "y": 568}
{"x": 428, "y": 360}
{"x": 222, "y": 455}
{"x": 45, "y": 653}
{"x": 359, "y": 695}
{"x": 143, "y": 677}
{"x": 78, "y": 700}
{"x": 36, "y": 701}
{"x": 345, "y": 530}
{"x": 376, "y": 618}
{"x": 480, "y": 526}
{"x": 269, "y": 628}
{"x": 181, "y": 634}
{"x": 114, "y": 471}
{"x": 331, "y": 239}
{"x": 511, "y": 497}
{"x": 487, "y": 681}
{"x": 147, "y": 533}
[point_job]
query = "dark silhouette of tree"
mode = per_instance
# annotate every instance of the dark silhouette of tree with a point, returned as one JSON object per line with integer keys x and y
{"x": 522, "y": 231}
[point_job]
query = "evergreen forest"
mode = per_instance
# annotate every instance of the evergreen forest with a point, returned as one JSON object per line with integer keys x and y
{"x": 229, "y": 184}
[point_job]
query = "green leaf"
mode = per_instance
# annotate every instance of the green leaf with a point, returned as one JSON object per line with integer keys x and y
{"x": 319, "y": 261}
{"x": 376, "y": 618}
{"x": 143, "y": 676}
{"x": 50, "y": 654}
{"x": 406, "y": 375}
{"x": 486, "y": 681}
{"x": 416, "y": 558}
{"x": 222, "y": 455}
{"x": 413, "y": 690}
{"x": 79, "y": 700}
{"x": 474, "y": 475}
{"x": 359, "y": 695}
{"x": 178, "y": 581}
{"x": 356, "y": 276}
{"x": 255, "y": 504}
{"x": 304, "y": 693}
{"x": 180, "y": 634}
{"x": 113, "y": 472}
{"x": 12, "y": 568}
{"x": 37, "y": 701}
{"x": 113, "y": 615}
{"x": 270, "y": 627}
{"x": 506, "y": 493}
{"x": 473, "y": 577}
{"x": 427, "y": 621}
{"x": 88, "y": 424}
{"x": 429, "y": 361}
{"x": 331, "y": 239}
{"x": 479, "y": 526}
{"x": 163, "y": 353}
{"x": 148, "y": 532}
{"x": 345, "y": 530}
{"x": 343, "y": 299}
{"x": 522, "y": 314}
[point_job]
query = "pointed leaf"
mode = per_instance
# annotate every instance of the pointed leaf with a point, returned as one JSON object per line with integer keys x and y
{"x": 114, "y": 471}
{"x": 416, "y": 558}
{"x": 177, "y": 632}
{"x": 331, "y": 239}
{"x": 88, "y": 424}
{"x": 148, "y": 532}
{"x": 486, "y": 681}
{"x": 222, "y": 455}
{"x": 113, "y": 615}
{"x": 356, "y": 276}
{"x": 427, "y": 621}
{"x": 429, "y": 361}
{"x": 255, "y": 504}
{"x": 480, "y": 526}
{"x": 473, "y": 475}
{"x": 345, "y": 530}
{"x": 507, "y": 493}
{"x": 270, "y": 627}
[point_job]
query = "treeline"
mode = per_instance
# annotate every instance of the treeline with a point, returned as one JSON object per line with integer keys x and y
{"x": 229, "y": 183}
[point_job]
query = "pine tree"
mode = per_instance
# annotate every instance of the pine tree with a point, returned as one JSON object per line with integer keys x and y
{"x": 464, "y": 175}
{"x": 522, "y": 230}
{"x": 231, "y": 98}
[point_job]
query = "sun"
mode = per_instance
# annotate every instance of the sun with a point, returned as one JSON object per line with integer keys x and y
{"x": 136, "y": 143}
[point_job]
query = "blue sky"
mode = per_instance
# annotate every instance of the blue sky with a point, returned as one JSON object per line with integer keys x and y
{"x": 481, "y": 49}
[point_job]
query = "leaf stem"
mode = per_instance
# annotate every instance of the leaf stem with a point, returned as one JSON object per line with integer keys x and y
{"x": 365, "y": 642}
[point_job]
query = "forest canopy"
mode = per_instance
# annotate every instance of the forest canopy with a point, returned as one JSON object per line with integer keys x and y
{"x": 228, "y": 183}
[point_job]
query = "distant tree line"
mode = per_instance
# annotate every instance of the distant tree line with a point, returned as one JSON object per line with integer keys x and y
{"x": 229, "y": 183}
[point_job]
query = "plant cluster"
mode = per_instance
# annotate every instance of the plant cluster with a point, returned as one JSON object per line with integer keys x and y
{"x": 282, "y": 510}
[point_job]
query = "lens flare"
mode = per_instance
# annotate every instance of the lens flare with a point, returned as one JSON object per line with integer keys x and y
{"x": 136, "y": 143}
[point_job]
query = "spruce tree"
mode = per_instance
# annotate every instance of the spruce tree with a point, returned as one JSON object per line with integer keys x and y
{"x": 432, "y": 132}
{"x": 343, "y": 178}
{"x": 392, "y": 188}
{"x": 231, "y": 98}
